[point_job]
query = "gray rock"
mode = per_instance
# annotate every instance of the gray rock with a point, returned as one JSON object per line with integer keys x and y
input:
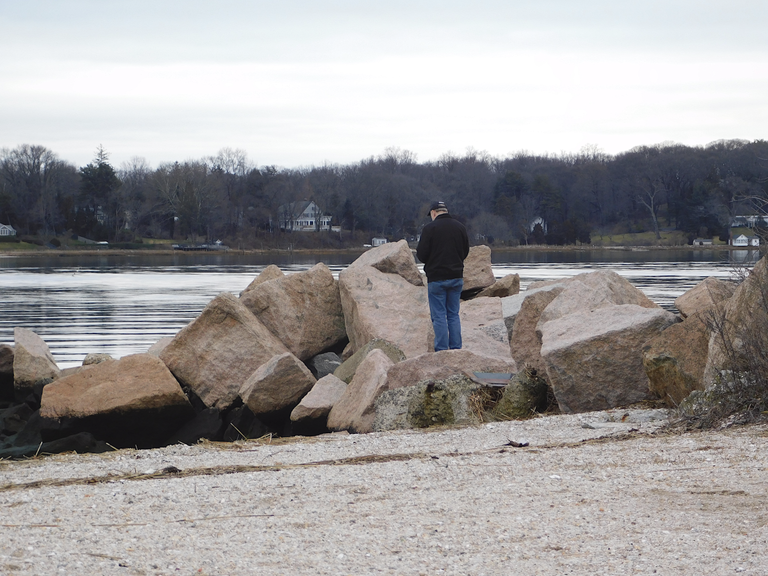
{"x": 323, "y": 364}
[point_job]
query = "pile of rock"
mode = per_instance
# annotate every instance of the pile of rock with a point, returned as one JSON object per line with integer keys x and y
{"x": 306, "y": 353}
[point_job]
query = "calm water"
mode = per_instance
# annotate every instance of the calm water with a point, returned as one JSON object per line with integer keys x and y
{"x": 123, "y": 304}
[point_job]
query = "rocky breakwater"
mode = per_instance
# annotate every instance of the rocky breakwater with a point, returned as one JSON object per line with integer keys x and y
{"x": 306, "y": 353}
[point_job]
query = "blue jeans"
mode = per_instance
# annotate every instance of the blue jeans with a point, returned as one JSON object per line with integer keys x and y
{"x": 444, "y": 301}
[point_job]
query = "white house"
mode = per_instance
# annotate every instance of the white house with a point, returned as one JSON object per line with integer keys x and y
{"x": 303, "y": 216}
{"x": 378, "y": 241}
{"x": 7, "y": 230}
{"x": 742, "y": 240}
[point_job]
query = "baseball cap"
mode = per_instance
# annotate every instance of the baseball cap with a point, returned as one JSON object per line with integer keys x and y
{"x": 438, "y": 206}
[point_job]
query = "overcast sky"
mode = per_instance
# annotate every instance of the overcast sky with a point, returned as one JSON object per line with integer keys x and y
{"x": 299, "y": 83}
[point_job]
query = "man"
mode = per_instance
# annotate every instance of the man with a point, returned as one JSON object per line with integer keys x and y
{"x": 442, "y": 248}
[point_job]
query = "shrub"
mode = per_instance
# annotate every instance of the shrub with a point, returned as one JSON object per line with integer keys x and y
{"x": 736, "y": 379}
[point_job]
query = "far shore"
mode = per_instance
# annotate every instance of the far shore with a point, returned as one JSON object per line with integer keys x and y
{"x": 104, "y": 251}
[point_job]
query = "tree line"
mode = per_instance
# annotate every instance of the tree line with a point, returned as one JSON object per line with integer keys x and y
{"x": 522, "y": 198}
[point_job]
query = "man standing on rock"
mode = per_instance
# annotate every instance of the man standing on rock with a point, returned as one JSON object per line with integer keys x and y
{"x": 442, "y": 248}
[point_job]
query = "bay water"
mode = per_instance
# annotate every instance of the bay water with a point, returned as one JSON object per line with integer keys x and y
{"x": 122, "y": 304}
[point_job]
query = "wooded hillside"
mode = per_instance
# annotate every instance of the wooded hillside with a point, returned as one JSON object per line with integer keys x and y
{"x": 523, "y": 198}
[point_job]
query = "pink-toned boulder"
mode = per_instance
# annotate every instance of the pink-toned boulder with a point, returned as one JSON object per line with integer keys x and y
{"x": 744, "y": 324}
{"x": 216, "y": 353}
{"x": 509, "y": 285}
{"x": 524, "y": 338}
{"x": 33, "y": 363}
{"x": 482, "y": 327}
{"x": 160, "y": 345}
{"x": 303, "y": 310}
{"x": 594, "y": 358}
{"x": 392, "y": 258}
{"x": 386, "y": 306}
{"x": 477, "y": 269}
{"x": 271, "y": 272}
{"x": 277, "y": 385}
{"x": 593, "y": 290}
{"x": 134, "y": 400}
{"x": 675, "y": 359}
{"x": 317, "y": 404}
{"x": 511, "y": 305}
{"x": 355, "y": 410}
{"x": 444, "y": 364}
{"x": 706, "y": 293}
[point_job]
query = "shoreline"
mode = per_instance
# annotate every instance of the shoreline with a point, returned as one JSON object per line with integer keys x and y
{"x": 63, "y": 252}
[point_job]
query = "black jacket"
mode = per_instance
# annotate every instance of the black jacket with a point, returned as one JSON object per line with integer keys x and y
{"x": 442, "y": 248}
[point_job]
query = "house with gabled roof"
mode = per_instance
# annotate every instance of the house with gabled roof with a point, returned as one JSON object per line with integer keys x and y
{"x": 742, "y": 240}
{"x": 305, "y": 216}
{"x": 7, "y": 230}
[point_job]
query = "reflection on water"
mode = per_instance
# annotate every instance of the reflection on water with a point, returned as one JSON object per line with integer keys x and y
{"x": 122, "y": 305}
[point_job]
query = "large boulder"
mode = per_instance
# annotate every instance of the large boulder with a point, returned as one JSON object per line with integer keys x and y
{"x": 741, "y": 339}
{"x": 512, "y": 305}
{"x": 508, "y": 285}
{"x": 477, "y": 270}
{"x": 346, "y": 371}
{"x": 33, "y": 363}
{"x": 592, "y": 290}
{"x": 271, "y": 272}
{"x": 355, "y": 410}
{"x": 387, "y": 306}
{"x": 159, "y": 346}
{"x": 482, "y": 327}
{"x": 303, "y": 310}
{"x": 392, "y": 258}
{"x": 277, "y": 385}
{"x": 702, "y": 296}
{"x": 675, "y": 359}
{"x": 317, "y": 404}
{"x": 441, "y": 365}
{"x": 6, "y": 372}
{"x": 126, "y": 402}
{"x": 524, "y": 338}
{"x": 451, "y": 401}
{"x": 218, "y": 351}
{"x": 594, "y": 358}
